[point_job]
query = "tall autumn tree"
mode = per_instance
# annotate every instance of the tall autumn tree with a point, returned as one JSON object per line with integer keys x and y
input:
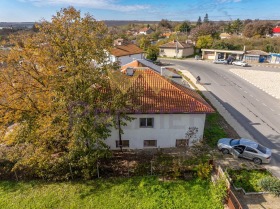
{"x": 57, "y": 102}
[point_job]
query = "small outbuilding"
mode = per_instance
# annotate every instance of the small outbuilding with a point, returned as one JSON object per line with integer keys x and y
{"x": 255, "y": 56}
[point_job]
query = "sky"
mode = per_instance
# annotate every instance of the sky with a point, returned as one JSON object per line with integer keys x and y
{"x": 175, "y": 10}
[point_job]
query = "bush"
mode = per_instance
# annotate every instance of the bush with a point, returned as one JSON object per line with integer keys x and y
{"x": 248, "y": 179}
{"x": 204, "y": 170}
{"x": 270, "y": 184}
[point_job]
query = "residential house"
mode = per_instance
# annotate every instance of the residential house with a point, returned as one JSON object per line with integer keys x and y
{"x": 276, "y": 31}
{"x": 225, "y": 35}
{"x": 125, "y": 53}
{"x": 120, "y": 41}
{"x": 256, "y": 56}
{"x": 166, "y": 114}
{"x": 176, "y": 49}
{"x": 146, "y": 31}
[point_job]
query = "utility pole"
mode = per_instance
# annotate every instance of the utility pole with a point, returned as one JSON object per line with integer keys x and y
{"x": 176, "y": 45}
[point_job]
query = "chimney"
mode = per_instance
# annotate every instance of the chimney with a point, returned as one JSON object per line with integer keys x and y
{"x": 129, "y": 71}
{"x": 244, "y": 48}
{"x": 162, "y": 71}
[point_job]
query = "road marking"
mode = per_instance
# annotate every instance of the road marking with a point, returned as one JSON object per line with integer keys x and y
{"x": 272, "y": 109}
{"x": 264, "y": 104}
{"x": 251, "y": 95}
{"x": 245, "y": 92}
{"x": 258, "y": 100}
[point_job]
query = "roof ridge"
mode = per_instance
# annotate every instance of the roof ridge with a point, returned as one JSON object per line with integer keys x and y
{"x": 203, "y": 102}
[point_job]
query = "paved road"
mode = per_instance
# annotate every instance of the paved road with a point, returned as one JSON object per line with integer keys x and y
{"x": 254, "y": 109}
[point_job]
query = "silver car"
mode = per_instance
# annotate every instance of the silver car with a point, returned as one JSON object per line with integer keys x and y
{"x": 220, "y": 61}
{"x": 240, "y": 63}
{"x": 245, "y": 148}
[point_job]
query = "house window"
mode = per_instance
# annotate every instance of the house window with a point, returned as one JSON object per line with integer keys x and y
{"x": 125, "y": 143}
{"x": 181, "y": 142}
{"x": 146, "y": 122}
{"x": 150, "y": 143}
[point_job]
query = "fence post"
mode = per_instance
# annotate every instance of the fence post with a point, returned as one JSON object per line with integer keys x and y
{"x": 70, "y": 167}
{"x": 97, "y": 168}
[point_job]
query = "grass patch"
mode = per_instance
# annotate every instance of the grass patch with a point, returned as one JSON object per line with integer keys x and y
{"x": 137, "y": 192}
{"x": 213, "y": 130}
{"x": 248, "y": 179}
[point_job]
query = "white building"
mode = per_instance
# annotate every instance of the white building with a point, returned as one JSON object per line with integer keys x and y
{"x": 126, "y": 53}
{"x": 166, "y": 114}
{"x": 176, "y": 49}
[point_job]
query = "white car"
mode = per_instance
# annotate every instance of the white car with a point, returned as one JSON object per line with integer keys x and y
{"x": 220, "y": 61}
{"x": 240, "y": 63}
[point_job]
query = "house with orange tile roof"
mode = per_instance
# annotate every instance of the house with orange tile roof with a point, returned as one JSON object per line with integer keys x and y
{"x": 146, "y": 31}
{"x": 125, "y": 52}
{"x": 165, "y": 114}
{"x": 177, "y": 49}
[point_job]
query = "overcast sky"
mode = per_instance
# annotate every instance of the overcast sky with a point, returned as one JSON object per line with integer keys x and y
{"x": 36, "y": 10}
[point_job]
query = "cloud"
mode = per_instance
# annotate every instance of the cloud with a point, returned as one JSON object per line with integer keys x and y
{"x": 95, "y": 4}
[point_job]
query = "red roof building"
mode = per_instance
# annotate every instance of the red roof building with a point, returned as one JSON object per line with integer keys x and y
{"x": 276, "y": 31}
{"x": 165, "y": 114}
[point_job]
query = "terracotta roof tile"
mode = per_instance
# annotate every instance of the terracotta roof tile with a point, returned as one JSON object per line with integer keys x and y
{"x": 160, "y": 95}
{"x": 124, "y": 50}
{"x": 172, "y": 44}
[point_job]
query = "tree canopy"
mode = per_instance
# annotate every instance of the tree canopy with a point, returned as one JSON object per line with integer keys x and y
{"x": 57, "y": 102}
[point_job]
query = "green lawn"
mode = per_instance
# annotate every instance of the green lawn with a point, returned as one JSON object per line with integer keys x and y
{"x": 137, "y": 192}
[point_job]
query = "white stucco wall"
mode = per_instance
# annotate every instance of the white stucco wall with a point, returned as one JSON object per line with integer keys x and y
{"x": 126, "y": 59}
{"x": 167, "y": 128}
{"x": 172, "y": 52}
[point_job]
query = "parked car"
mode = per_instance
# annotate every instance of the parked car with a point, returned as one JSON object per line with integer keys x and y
{"x": 245, "y": 148}
{"x": 220, "y": 61}
{"x": 240, "y": 63}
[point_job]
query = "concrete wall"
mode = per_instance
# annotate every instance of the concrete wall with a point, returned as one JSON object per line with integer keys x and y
{"x": 172, "y": 52}
{"x": 167, "y": 128}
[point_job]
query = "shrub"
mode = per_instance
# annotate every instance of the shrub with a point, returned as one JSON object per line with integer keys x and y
{"x": 248, "y": 179}
{"x": 204, "y": 170}
{"x": 270, "y": 184}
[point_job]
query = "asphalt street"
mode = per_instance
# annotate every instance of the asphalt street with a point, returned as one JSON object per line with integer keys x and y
{"x": 255, "y": 110}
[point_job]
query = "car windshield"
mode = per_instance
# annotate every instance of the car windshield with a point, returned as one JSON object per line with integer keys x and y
{"x": 234, "y": 142}
{"x": 261, "y": 148}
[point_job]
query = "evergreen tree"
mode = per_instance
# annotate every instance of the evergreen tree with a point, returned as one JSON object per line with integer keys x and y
{"x": 206, "y": 19}
{"x": 199, "y": 21}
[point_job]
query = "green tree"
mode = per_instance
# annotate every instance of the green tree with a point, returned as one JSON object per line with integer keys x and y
{"x": 144, "y": 42}
{"x": 152, "y": 53}
{"x": 199, "y": 22}
{"x": 60, "y": 104}
{"x": 184, "y": 27}
{"x": 204, "y": 41}
{"x": 206, "y": 19}
{"x": 236, "y": 26}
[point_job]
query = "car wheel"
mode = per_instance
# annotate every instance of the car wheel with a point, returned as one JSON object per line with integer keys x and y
{"x": 257, "y": 161}
{"x": 225, "y": 151}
